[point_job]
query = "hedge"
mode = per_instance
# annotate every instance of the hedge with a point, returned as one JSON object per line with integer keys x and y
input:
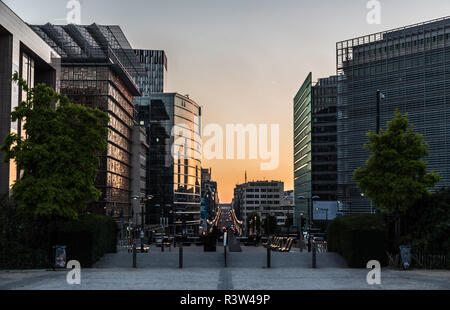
{"x": 88, "y": 239}
{"x": 359, "y": 238}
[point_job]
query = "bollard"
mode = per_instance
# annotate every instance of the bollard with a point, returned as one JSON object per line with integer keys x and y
{"x": 268, "y": 257}
{"x": 225, "y": 251}
{"x": 134, "y": 255}
{"x": 162, "y": 246}
{"x": 180, "y": 249}
{"x": 314, "y": 250}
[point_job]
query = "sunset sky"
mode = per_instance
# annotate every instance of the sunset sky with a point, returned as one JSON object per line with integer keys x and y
{"x": 242, "y": 60}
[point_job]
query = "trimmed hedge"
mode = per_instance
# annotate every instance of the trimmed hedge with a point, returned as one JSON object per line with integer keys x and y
{"x": 88, "y": 239}
{"x": 359, "y": 238}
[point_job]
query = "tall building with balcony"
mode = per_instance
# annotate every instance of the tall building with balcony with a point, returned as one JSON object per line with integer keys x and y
{"x": 411, "y": 67}
{"x": 98, "y": 70}
{"x": 173, "y": 126}
{"x": 24, "y": 52}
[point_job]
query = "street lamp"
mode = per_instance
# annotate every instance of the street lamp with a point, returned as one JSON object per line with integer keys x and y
{"x": 142, "y": 200}
{"x": 309, "y": 201}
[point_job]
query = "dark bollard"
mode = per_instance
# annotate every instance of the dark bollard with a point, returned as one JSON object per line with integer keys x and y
{"x": 134, "y": 255}
{"x": 268, "y": 257}
{"x": 314, "y": 250}
{"x": 225, "y": 252}
{"x": 180, "y": 249}
{"x": 162, "y": 246}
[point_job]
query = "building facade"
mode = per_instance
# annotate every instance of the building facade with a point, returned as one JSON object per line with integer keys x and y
{"x": 24, "y": 52}
{"x": 324, "y": 139}
{"x": 98, "y": 71}
{"x": 302, "y": 148}
{"x": 210, "y": 193}
{"x": 173, "y": 125}
{"x": 263, "y": 197}
{"x": 139, "y": 151}
{"x": 155, "y": 63}
{"x": 411, "y": 67}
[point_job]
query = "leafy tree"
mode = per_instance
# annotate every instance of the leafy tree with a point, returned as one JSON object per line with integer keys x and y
{"x": 395, "y": 176}
{"x": 427, "y": 222}
{"x": 58, "y": 157}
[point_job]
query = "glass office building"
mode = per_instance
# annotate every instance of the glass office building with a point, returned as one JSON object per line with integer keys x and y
{"x": 302, "y": 148}
{"x": 24, "y": 52}
{"x": 315, "y": 135}
{"x": 411, "y": 67}
{"x": 155, "y": 63}
{"x": 98, "y": 70}
{"x": 174, "y": 161}
{"x": 324, "y": 139}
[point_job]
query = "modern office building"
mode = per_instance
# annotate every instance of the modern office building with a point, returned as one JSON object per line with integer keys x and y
{"x": 155, "y": 81}
{"x": 263, "y": 197}
{"x": 411, "y": 67}
{"x": 24, "y": 52}
{"x": 98, "y": 70}
{"x": 324, "y": 139}
{"x": 315, "y": 153}
{"x": 173, "y": 125}
{"x": 302, "y": 149}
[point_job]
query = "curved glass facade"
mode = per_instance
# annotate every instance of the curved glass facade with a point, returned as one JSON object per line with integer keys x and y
{"x": 173, "y": 123}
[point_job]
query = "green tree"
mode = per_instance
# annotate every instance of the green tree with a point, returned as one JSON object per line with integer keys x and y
{"x": 58, "y": 156}
{"x": 395, "y": 176}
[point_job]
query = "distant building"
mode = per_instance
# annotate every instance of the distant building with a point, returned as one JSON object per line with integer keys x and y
{"x": 209, "y": 192}
{"x": 98, "y": 71}
{"x": 24, "y": 52}
{"x": 267, "y": 198}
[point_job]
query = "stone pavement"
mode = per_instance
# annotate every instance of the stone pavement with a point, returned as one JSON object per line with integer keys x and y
{"x": 205, "y": 271}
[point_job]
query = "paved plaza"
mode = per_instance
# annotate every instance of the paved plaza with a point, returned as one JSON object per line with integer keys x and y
{"x": 205, "y": 271}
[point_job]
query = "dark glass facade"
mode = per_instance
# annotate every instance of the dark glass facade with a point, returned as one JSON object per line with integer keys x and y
{"x": 324, "y": 139}
{"x": 98, "y": 71}
{"x": 302, "y": 148}
{"x": 174, "y": 178}
{"x": 155, "y": 63}
{"x": 411, "y": 66}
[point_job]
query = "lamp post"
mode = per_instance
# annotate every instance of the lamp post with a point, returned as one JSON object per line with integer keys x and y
{"x": 142, "y": 200}
{"x": 309, "y": 202}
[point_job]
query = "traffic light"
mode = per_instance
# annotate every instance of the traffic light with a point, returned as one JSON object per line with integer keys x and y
{"x": 303, "y": 224}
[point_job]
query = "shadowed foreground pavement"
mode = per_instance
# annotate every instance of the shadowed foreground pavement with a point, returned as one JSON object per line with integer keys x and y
{"x": 205, "y": 271}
